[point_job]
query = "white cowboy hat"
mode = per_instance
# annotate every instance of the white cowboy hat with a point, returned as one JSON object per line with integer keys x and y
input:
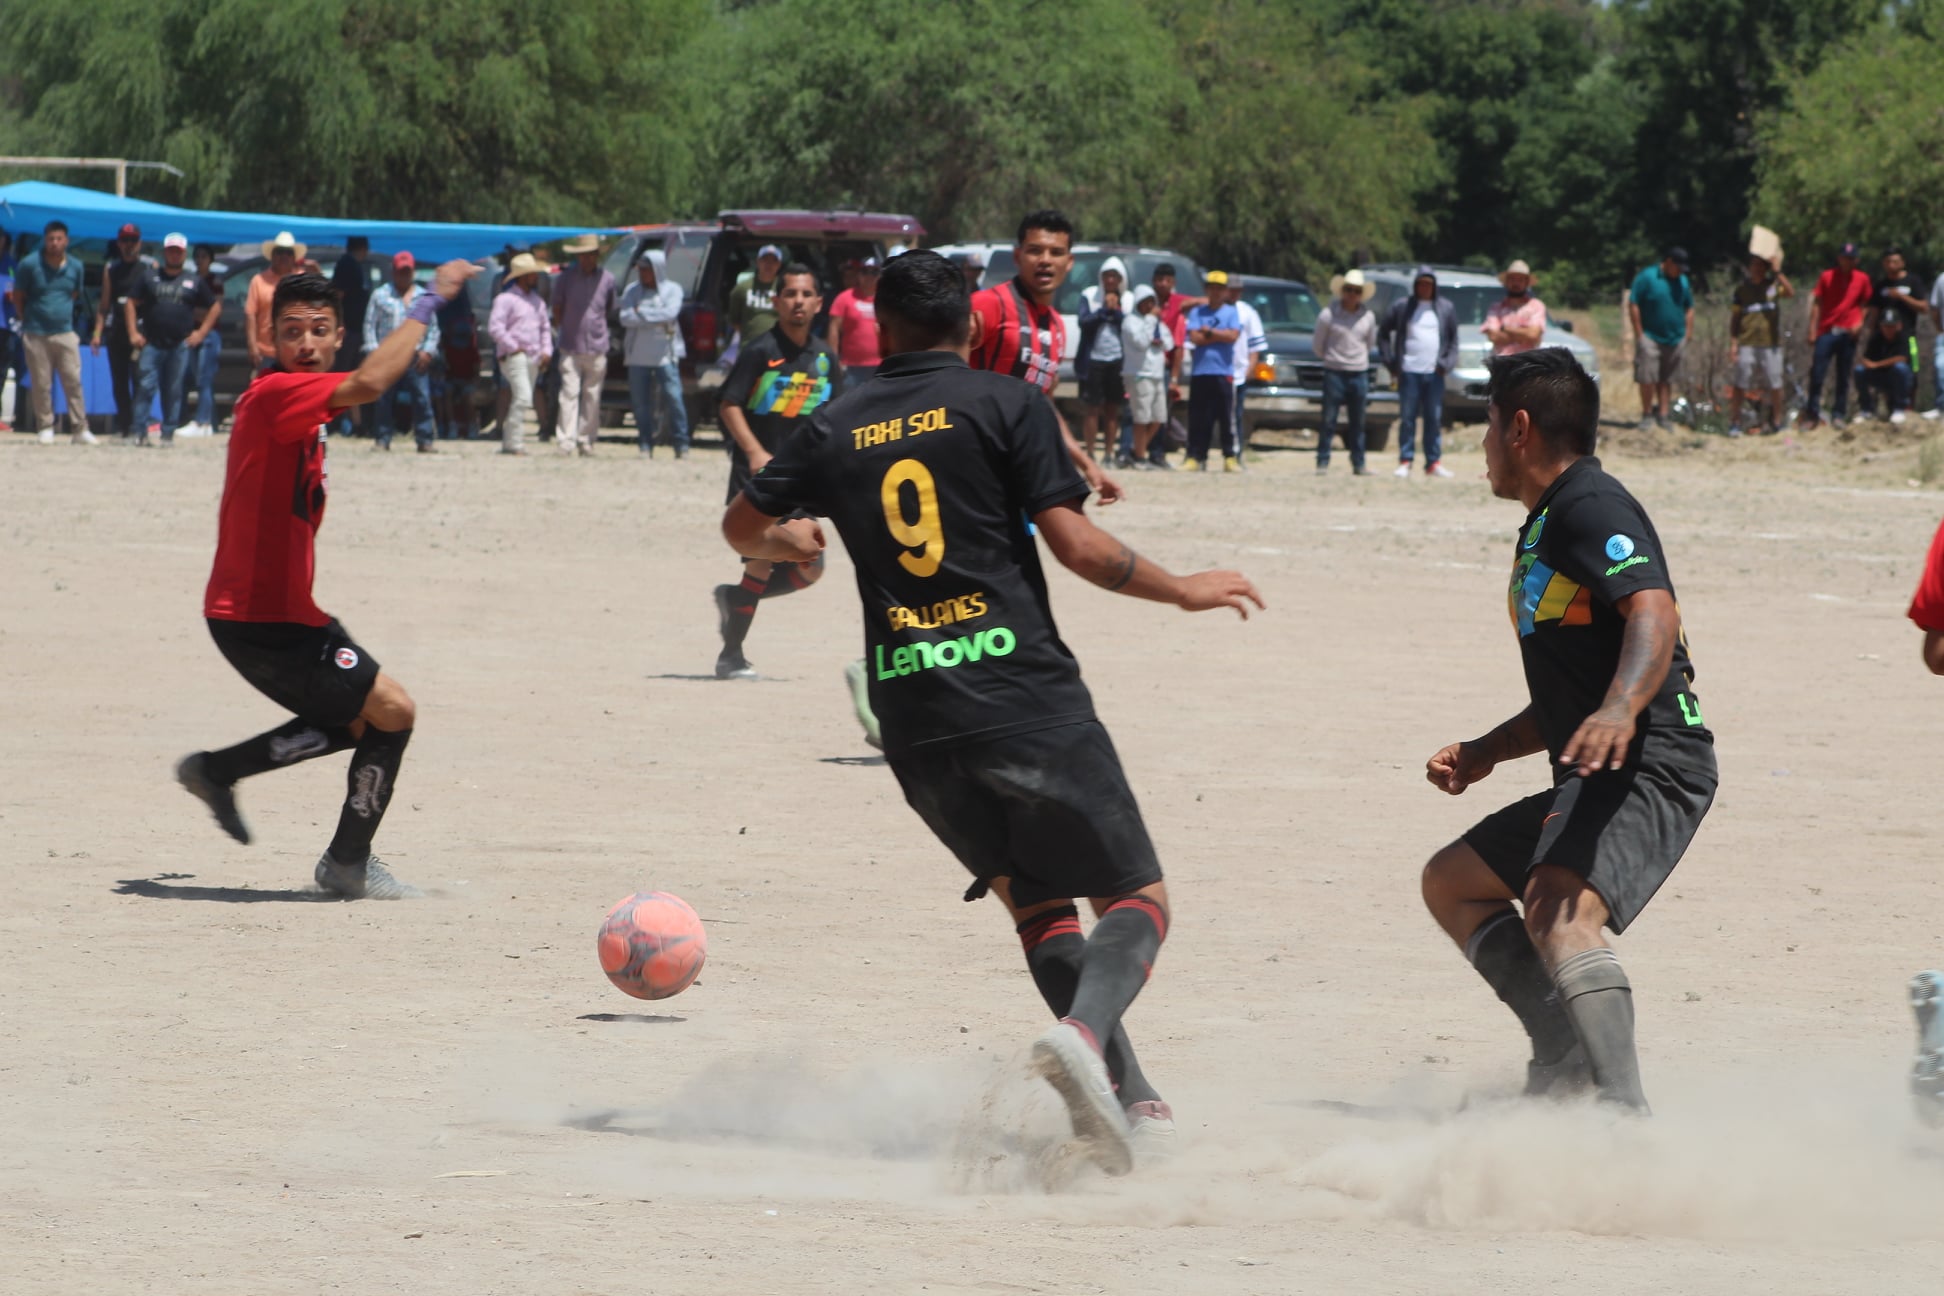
{"x": 284, "y": 242}
{"x": 1518, "y": 267}
{"x": 581, "y": 243}
{"x": 523, "y": 264}
{"x": 1352, "y": 279}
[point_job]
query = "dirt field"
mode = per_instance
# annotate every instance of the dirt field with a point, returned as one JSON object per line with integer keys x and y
{"x": 213, "y": 1083}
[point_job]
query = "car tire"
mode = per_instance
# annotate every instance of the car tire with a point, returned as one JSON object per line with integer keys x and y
{"x": 1377, "y": 434}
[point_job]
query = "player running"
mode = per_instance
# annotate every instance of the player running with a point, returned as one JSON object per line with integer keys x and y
{"x": 930, "y": 472}
{"x": 1633, "y": 766}
{"x": 781, "y": 377}
{"x": 258, "y": 603}
{"x": 1927, "y": 988}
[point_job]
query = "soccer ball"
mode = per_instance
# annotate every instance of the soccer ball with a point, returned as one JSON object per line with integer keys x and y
{"x": 652, "y": 945}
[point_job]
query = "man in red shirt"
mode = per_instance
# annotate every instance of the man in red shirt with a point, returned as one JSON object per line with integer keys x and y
{"x": 258, "y": 602}
{"x": 1927, "y": 607}
{"x": 1835, "y": 315}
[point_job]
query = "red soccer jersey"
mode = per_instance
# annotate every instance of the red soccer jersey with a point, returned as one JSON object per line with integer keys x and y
{"x": 1841, "y": 300}
{"x": 1017, "y": 337}
{"x": 1927, "y": 608}
{"x": 273, "y": 502}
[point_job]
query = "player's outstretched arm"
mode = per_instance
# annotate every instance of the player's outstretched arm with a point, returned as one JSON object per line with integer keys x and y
{"x": 1087, "y": 551}
{"x": 754, "y": 534}
{"x": 1458, "y": 766}
{"x": 1646, "y": 652}
{"x": 383, "y": 368}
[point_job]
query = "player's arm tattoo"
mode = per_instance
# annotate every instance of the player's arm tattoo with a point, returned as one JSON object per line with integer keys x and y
{"x": 1646, "y": 652}
{"x": 1517, "y": 737}
{"x": 1121, "y": 572}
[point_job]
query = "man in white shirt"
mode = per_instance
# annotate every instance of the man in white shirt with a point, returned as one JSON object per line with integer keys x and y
{"x": 1418, "y": 342}
{"x": 1146, "y": 345}
{"x": 651, "y": 309}
{"x": 1249, "y": 348}
{"x": 1345, "y": 333}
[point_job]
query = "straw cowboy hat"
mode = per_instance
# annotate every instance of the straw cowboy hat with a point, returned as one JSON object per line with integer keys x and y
{"x": 581, "y": 243}
{"x": 523, "y": 264}
{"x": 1518, "y": 267}
{"x": 1353, "y": 279}
{"x": 284, "y": 242}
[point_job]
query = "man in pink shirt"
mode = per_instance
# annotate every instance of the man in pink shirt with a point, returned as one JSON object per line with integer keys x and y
{"x": 853, "y": 325}
{"x": 1835, "y": 317}
{"x": 1518, "y": 321}
{"x": 522, "y": 336}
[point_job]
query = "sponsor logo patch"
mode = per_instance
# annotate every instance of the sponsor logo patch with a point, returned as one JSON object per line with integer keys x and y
{"x": 1619, "y": 548}
{"x": 346, "y": 658}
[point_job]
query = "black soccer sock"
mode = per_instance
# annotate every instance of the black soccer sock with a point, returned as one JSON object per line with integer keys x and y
{"x": 1054, "y": 948}
{"x": 1599, "y": 1001}
{"x": 374, "y": 772}
{"x": 788, "y": 578}
{"x": 287, "y": 744}
{"x": 1116, "y": 962}
{"x": 742, "y": 610}
{"x": 1503, "y": 954}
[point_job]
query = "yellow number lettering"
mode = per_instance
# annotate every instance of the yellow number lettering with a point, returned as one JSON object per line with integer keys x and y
{"x": 926, "y": 534}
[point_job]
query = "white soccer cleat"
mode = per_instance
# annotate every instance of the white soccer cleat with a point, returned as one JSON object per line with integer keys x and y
{"x": 1927, "y": 1072}
{"x": 1072, "y": 1065}
{"x": 860, "y": 691}
{"x": 1151, "y": 1132}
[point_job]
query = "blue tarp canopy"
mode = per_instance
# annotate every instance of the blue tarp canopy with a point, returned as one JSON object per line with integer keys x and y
{"x": 28, "y": 205}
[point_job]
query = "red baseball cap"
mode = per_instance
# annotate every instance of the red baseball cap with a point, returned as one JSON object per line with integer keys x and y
{"x": 403, "y": 259}
{"x": 130, "y": 231}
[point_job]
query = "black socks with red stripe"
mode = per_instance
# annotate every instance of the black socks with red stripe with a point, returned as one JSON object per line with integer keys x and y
{"x": 1054, "y": 948}
{"x": 374, "y": 772}
{"x": 287, "y": 744}
{"x": 1115, "y": 963}
{"x": 739, "y": 609}
{"x": 1503, "y": 954}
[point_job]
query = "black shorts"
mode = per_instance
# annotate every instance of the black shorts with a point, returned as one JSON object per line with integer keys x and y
{"x": 1104, "y": 384}
{"x": 1050, "y": 810}
{"x": 1622, "y": 830}
{"x": 318, "y": 673}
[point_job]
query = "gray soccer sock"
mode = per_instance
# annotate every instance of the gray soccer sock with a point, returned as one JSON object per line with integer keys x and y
{"x": 1503, "y": 954}
{"x": 1598, "y": 999}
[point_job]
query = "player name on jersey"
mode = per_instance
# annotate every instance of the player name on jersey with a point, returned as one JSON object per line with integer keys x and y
{"x": 952, "y": 611}
{"x": 876, "y": 434}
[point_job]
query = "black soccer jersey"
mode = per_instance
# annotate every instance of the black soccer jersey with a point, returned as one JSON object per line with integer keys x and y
{"x": 929, "y": 472}
{"x": 1587, "y": 545}
{"x": 777, "y": 383}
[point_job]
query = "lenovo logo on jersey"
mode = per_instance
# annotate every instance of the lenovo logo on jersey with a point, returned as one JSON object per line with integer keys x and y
{"x": 908, "y": 659}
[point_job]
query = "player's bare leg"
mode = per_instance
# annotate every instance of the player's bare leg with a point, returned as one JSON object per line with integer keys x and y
{"x": 1475, "y": 909}
{"x": 736, "y": 607}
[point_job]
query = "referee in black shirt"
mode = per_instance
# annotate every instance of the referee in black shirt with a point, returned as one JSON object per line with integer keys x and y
{"x": 1613, "y": 706}
{"x": 930, "y": 473}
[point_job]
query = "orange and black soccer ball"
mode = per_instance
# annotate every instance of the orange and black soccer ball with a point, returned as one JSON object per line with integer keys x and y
{"x": 652, "y": 945}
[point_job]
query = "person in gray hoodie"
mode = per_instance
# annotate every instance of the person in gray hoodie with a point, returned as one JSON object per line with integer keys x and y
{"x": 651, "y": 310}
{"x": 1418, "y": 342}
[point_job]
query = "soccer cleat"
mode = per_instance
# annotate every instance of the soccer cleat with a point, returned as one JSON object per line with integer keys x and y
{"x": 1438, "y": 470}
{"x": 860, "y": 691}
{"x": 1066, "y": 1057}
{"x": 1927, "y": 1072}
{"x": 1568, "y": 1077}
{"x": 733, "y": 665}
{"x": 1151, "y": 1131}
{"x": 192, "y": 772}
{"x": 369, "y": 881}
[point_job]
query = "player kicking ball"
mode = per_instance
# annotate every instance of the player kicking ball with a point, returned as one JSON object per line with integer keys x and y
{"x": 1633, "y": 766}
{"x": 258, "y": 603}
{"x": 930, "y": 473}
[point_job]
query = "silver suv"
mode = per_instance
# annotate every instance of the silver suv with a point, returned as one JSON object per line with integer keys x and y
{"x": 1471, "y": 293}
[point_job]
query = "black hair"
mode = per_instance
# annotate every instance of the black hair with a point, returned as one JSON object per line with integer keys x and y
{"x": 1165, "y": 268}
{"x": 201, "y": 248}
{"x": 925, "y": 293}
{"x": 797, "y": 268}
{"x": 53, "y": 225}
{"x": 1895, "y": 249}
{"x": 307, "y": 289}
{"x": 1560, "y": 398}
{"x": 357, "y": 243}
{"x": 1052, "y": 222}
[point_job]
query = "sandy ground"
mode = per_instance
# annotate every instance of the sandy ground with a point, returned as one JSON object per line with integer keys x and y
{"x": 210, "y": 1082}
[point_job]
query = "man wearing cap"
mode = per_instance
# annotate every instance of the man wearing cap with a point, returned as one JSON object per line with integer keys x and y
{"x": 752, "y": 302}
{"x": 1835, "y": 317}
{"x": 1213, "y": 328}
{"x": 1418, "y": 342}
{"x": 1898, "y": 293}
{"x": 972, "y": 265}
{"x": 1346, "y": 331}
{"x": 283, "y": 252}
{"x": 651, "y": 312}
{"x": 390, "y": 307}
{"x": 853, "y": 333}
{"x": 1517, "y": 322}
{"x": 46, "y": 287}
{"x": 125, "y": 265}
{"x": 583, "y": 298}
{"x": 523, "y": 342}
{"x": 1660, "y": 308}
{"x": 169, "y": 311}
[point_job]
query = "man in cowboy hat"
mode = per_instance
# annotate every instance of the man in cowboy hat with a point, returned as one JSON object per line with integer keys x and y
{"x": 1518, "y": 322}
{"x": 523, "y": 340}
{"x": 584, "y": 298}
{"x": 283, "y": 252}
{"x": 1346, "y": 330}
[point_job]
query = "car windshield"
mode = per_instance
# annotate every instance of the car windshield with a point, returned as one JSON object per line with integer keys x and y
{"x": 1471, "y": 302}
{"x": 1285, "y": 308}
{"x": 1086, "y": 273}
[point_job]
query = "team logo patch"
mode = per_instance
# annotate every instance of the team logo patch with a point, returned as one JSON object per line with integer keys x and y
{"x": 1619, "y": 547}
{"x": 1533, "y": 531}
{"x": 346, "y": 658}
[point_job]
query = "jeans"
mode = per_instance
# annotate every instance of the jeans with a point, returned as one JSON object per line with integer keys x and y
{"x": 415, "y": 387}
{"x": 1420, "y": 399}
{"x": 202, "y": 372}
{"x": 1838, "y": 349}
{"x": 1341, "y": 388}
{"x": 855, "y": 374}
{"x": 644, "y": 381}
{"x": 1896, "y": 383}
{"x": 166, "y": 366}
{"x": 1211, "y": 397}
